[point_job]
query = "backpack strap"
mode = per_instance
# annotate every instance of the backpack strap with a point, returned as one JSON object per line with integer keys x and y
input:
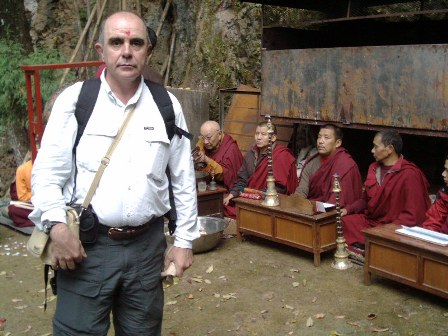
{"x": 84, "y": 106}
{"x": 165, "y": 105}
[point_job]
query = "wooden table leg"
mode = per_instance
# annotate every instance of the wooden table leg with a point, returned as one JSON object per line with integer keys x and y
{"x": 316, "y": 258}
{"x": 367, "y": 273}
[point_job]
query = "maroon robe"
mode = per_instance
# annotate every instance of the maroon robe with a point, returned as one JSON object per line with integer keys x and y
{"x": 229, "y": 157}
{"x": 401, "y": 199}
{"x": 437, "y": 214}
{"x": 285, "y": 171}
{"x": 321, "y": 183}
{"x": 18, "y": 214}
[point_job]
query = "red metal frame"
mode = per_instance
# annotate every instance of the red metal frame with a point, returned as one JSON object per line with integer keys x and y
{"x": 36, "y": 128}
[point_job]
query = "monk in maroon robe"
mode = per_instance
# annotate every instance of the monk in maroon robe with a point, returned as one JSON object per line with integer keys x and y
{"x": 437, "y": 214}
{"x": 219, "y": 153}
{"x": 396, "y": 191}
{"x": 285, "y": 171}
{"x": 317, "y": 177}
{"x": 254, "y": 171}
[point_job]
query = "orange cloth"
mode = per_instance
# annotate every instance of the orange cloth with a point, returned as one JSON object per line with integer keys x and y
{"x": 23, "y": 181}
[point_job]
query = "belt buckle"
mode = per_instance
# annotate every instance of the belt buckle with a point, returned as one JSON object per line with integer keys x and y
{"x": 114, "y": 230}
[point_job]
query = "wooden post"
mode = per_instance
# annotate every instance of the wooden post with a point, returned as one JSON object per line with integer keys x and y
{"x": 95, "y": 29}
{"x": 167, "y": 75}
{"x": 162, "y": 19}
{"x": 139, "y": 7}
{"x": 81, "y": 39}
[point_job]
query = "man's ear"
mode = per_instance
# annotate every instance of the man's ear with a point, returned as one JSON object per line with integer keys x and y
{"x": 338, "y": 143}
{"x": 390, "y": 149}
{"x": 149, "y": 50}
{"x": 274, "y": 137}
{"x": 99, "y": 50}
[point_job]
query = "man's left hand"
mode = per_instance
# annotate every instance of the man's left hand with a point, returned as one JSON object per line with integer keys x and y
{"x": 181, "y": 257}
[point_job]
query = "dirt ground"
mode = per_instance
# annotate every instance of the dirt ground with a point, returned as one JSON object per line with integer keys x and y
{"x": 253, "y": 287}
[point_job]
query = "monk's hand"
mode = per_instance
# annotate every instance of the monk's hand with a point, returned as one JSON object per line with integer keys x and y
{"x": 227, "y": 199}
{"x": 181, "y": 257}
{"x": 343, "y": 212}
{"x": 67, "y": 248}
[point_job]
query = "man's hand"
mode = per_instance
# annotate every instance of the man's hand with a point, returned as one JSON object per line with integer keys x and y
{"x": 227, "y": 199}
{"x": 181, "y": 257}
{"x": 343, "y": 212}
{"x": 201, "y": 157}
{"x": 67, "y": 248}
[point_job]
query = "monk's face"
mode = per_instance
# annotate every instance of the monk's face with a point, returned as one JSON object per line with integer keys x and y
{"x": 445, "y": 173}
{"x": 211, "y": 137}
{"x": 262, "y": 137}
{"x": 326, "y": 142}
{"x": 381, "y": 152}
{"x": 124, "y": 48}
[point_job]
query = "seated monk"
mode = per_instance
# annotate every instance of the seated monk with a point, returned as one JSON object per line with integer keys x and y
{"x": 437, "y": 214}
{"x": 254, "y": 171}
{"x": 316, "y": 179}
{"x": 396, "y": 191}
{"x": 219, "y": 155}
{"x": 20, "y": 192}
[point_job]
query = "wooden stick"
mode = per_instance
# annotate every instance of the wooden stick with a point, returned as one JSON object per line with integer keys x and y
{"x": 81, "y": 39}
{"x": 162, "y": 20}
{"x": 173, "y": 40}
{"x": 95, "y": 29}
{"x": 139, "y": 7}
{"x": 78, "y": 22}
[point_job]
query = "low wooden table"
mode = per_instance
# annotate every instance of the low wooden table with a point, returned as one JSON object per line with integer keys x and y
{"x": 312, "y": 233}
{"x": 210, "y": 202}
{"x": 408, "y": 260}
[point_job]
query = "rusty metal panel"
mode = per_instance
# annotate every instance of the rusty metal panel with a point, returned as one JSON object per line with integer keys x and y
{"x": 400, "y": 86}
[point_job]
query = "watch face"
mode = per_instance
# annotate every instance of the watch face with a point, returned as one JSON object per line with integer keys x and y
{"x": 47, "y": 225}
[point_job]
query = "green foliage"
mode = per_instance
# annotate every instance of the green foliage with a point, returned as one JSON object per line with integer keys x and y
{"x": 13, "y": 97}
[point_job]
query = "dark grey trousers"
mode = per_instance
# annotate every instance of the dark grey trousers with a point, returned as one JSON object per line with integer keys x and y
{"x": 122, "y": 277}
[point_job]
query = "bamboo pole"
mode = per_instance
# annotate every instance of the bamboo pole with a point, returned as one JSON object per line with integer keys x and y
{"x": 139, "y": 7}
{"x": 78, "y": 22}
{"x": 162, "y": 20}
{"x": 95, "y": 29}
{"x": 173, "y": 40}
{"x": 81, "y": 39}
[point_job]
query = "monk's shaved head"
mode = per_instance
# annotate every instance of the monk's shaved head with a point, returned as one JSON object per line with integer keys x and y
{"x": 210, "y": 126}
{"x": 210, "y": 135}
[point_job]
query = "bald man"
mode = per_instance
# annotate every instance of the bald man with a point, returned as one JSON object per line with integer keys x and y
{"x": 120, "y": 272}
{"x": 219, "y": 154}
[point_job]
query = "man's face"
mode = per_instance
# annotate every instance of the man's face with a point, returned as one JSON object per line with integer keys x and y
{"x": 326, "y": 142}
{"x": 125, "y": 47}
{"x": 210, "y": 137}
{"x": 262, "y": 137}
{"x": 445, "y": 173}
{"x": 379, "y": 151}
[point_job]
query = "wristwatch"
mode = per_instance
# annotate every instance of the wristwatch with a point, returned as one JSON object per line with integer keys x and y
{"x": 47, "y": 225}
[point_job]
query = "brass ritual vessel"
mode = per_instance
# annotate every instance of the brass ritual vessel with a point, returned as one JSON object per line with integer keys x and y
{"x": 271, "y": 198}
{"x": 341, "y": 260}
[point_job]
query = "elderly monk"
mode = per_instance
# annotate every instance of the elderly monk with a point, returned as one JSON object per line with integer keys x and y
{"x": 219, "y": 154}
{"x": 254, "y": 171}
{"x": 316, "y": 179}
{"x": 437, "y": 214}
{"x": 396, "y": 191}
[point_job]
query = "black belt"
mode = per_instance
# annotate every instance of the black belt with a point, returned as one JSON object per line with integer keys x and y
{"x": 124, "y": 232}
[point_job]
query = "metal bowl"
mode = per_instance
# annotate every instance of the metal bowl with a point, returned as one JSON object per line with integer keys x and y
{"x": 210, "y": 228}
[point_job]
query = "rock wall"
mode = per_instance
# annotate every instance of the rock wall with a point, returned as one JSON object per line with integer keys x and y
{"x": 217, "y": 45}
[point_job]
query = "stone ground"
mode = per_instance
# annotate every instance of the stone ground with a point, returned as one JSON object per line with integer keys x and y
{"x": 253, "y": 287}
